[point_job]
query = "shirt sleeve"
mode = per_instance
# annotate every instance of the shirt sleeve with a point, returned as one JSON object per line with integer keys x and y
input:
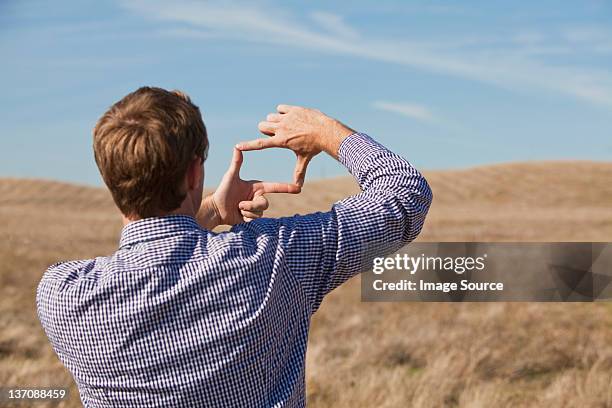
{"x": 323, "y": 250}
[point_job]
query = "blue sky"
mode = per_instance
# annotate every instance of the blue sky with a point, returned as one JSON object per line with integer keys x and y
{"x": 448, "y": 84}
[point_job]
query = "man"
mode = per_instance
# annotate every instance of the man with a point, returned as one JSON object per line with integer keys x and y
{"x": 183, "y": 316}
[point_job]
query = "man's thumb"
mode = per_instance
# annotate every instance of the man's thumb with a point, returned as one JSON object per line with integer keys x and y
{"x": 300, "y": 170}
{"x": 234, "y": 167}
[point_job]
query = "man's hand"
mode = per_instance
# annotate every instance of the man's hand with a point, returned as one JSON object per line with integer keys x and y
{"x": 237, "y": 200}
{"x": 307, "y": 132}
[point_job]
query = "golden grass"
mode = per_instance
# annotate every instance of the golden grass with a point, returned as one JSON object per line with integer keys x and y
{"x": 370, "y": 354}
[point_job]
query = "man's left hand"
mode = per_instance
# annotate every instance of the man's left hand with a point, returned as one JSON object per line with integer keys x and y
{"x": 237, "y": 200}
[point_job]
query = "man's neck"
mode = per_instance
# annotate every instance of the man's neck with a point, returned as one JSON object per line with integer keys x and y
{"x": 186, "y": 208}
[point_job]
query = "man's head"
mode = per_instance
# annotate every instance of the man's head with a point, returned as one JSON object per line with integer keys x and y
{"x": 150, "y": 148}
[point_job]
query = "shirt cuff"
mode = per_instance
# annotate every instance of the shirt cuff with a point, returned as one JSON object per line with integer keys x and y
{"x": 355, "y": 150}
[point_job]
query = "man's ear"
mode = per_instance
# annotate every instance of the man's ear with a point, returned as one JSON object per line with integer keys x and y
{"x": 195, "y": 174}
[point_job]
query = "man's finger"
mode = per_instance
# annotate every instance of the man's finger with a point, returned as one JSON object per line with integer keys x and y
{"x": 267, "y": 128}
{"x": 251, "y": 214}
{"x": 236, "y": 162}
{"x": 258, "y": 144}
{"x": 259, "y": 203}
{"x": 300, "y": 170}
{"x": 284, "y": 108}
{"x": 274, "y": 117}
{"x": 266, "y": 187}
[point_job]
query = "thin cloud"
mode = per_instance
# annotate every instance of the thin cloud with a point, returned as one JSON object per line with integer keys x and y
{"x": 512, "y": 67}
{"x": 334, "y": 24}
{"x": 423, "y": 114}
{"x": 595, "y": 39}
{"x": 410, "y": 110}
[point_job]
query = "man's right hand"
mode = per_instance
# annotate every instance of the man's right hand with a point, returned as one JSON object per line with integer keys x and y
{"x": 306, "y": 131}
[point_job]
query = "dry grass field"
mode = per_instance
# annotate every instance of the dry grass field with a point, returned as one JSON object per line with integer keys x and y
{"x": 366, "y": 354}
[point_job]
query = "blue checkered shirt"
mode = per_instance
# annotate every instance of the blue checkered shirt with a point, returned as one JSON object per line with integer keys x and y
{"x": 182, "y": 316}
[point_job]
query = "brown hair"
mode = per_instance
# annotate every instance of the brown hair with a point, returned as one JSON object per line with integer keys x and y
{"x": 143, "y": 146}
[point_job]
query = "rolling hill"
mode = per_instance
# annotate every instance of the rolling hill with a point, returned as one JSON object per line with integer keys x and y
{"x": 366, "y": 354}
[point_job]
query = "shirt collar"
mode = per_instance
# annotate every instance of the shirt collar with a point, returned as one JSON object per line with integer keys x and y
{"x": 153, "y": 228}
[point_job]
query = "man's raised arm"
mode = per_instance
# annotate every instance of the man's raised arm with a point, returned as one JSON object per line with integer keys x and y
{"x": 323, "y": 250}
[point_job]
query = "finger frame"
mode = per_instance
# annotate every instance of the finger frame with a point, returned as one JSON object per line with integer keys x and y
{"x": 271, "y": 187}
{"x": 251, "y": 214}
{"x": 257, "y": 204}
{"x": 282, "y": 108}
{"x": 258, "y": 144}
{"x": 299, "y": 173}
{"x": 267, "y": 128}
{"x": 274, "y": 117}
